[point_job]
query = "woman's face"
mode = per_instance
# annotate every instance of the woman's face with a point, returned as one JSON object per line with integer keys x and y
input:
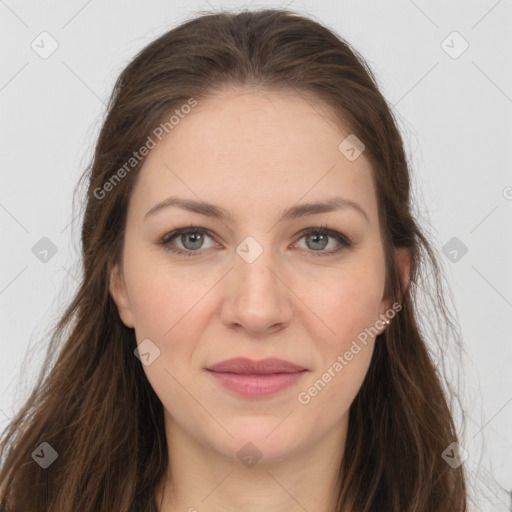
{"x": 253, "y": 285}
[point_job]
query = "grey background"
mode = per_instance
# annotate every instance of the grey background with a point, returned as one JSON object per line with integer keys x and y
{"x": 454, "y": 112}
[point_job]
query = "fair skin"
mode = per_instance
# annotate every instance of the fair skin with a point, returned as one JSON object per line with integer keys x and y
{"x": 254, "y": 154}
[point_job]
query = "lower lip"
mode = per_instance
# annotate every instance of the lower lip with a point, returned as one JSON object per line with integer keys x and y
{"x": 257, "y": 385}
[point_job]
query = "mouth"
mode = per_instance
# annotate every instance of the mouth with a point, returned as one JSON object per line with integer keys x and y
{"x": 249, "y": 378}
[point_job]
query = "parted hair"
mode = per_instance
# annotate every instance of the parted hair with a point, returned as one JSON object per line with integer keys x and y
{"x": 93, "y": 403}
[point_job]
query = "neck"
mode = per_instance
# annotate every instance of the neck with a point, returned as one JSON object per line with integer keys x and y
{"x": 200, "y": 479}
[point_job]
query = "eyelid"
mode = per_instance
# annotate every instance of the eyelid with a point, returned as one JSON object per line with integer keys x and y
{"x": 171, "y": 235}
{"x": 344, "y": 241}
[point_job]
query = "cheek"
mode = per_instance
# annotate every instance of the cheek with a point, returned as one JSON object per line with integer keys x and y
{"x": 162, "y": 298}
{"x": 344, "y": 357}
{"x": 165, "y": 305}
{"x": 347, "y": 303}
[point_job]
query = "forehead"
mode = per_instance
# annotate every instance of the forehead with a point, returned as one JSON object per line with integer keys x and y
{"x": 248, "y": 150}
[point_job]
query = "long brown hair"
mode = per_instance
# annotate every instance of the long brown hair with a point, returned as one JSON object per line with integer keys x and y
{"x": 93, "y": 403}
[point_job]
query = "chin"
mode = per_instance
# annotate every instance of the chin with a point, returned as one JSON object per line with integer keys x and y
{"x": 263, "y": 442}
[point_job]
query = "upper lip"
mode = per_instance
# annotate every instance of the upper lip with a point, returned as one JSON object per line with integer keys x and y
{"x": 244, "y": 365}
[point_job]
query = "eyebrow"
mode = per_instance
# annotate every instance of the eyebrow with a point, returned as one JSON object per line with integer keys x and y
{"x": 296, "y": 211}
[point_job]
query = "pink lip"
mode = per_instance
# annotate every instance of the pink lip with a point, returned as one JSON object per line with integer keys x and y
{"x": 256, "y": 378}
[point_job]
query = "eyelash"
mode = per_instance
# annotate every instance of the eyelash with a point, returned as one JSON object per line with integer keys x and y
{"x": 345, "y": 242}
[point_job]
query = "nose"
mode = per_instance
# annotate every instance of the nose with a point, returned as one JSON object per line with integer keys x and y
{"x": 257, "y": 298}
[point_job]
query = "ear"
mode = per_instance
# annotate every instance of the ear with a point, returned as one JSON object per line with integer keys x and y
{"x": 117, "y": 288}
{"x": 403, "y": 258}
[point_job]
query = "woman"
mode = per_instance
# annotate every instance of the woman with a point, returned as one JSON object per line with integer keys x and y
{"x": 245, "y": 336}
